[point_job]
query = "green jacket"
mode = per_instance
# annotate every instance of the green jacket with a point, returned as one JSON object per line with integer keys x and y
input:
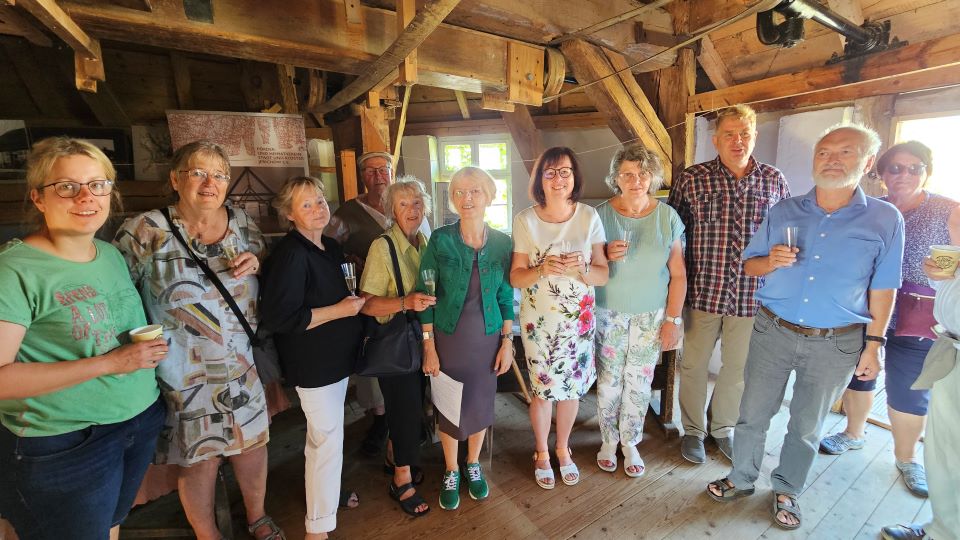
{"x": 453, "y": 262}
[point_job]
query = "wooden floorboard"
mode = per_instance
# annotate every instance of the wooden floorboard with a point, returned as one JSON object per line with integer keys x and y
{"x": 847, "y": 497}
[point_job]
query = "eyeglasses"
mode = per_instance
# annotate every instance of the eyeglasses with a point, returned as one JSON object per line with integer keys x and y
{"x": 633, "y": 177}
{"x": 202, "y": 175}
{"x": 562, "y": 172}
{"x": 68, "y": 189}
{"x": 917, "y": 169}
{"x": 472, "y": 193}
{"x": 370, "y": 171}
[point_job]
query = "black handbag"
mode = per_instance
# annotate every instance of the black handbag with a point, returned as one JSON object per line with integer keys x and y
{"x": 393, "y": 348}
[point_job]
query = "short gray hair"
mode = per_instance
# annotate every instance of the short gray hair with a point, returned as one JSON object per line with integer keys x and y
{"x": 871, "y": 140}
{"x": 487, "y": 184}
{"x": 649, "y": 161}
{"x": 407, "y": 184}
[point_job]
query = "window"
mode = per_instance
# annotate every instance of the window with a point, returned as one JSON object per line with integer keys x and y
{"x": 491, "y": 154}
{"x": 938, "y": 133}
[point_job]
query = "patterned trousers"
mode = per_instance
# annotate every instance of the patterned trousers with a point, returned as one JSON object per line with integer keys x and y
{"x": 628, "y": 347}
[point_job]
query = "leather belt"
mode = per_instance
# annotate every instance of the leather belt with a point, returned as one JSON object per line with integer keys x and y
{"x": 809, "y": 331}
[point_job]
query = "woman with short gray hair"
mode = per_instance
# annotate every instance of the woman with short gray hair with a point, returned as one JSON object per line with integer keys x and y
{"x": 405, "y": 202}
{"x": 635, "y": 323}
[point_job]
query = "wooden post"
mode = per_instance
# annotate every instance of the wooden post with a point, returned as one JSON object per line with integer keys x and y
{"x": 525, "y": 135}
{"x": 876, "y": 113}
{"x": 349, "y": 183}
{"x": 676, "y": 84}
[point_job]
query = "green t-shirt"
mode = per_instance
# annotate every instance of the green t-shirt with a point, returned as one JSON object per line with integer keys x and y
{"x": 72, "y": 311}
{"x": 639, "y": 284}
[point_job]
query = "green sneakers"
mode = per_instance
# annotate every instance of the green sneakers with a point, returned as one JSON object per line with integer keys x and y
{"x": 477, "y": 483}
{"x": 450, "y": 490}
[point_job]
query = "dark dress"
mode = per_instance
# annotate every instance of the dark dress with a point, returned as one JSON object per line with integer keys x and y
{"x": 468, "y": 356}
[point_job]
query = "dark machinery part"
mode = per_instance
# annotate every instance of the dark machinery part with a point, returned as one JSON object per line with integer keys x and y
{"x": 867, "y": 38}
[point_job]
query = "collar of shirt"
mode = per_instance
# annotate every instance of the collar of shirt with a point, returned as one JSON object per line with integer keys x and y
{"x": 858, "y": 200}
{"x": 402, "y": 243}
{"x": 721, "y": 169}
{"x": 309, "y": 244}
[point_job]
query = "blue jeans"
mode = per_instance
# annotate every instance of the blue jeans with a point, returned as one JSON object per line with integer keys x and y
{"x": 79, "y": 484}
{"x": 823, "y": 366}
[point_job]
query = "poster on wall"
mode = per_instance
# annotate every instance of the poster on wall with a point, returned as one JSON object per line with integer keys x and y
{"x": 264, "y": 150}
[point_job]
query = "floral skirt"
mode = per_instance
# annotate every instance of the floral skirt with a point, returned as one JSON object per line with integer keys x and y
{"x": 557, "y": 327}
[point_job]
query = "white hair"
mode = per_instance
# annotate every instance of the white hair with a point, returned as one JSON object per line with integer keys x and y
{"x": 871, "y": 140}
{"x": 407, "y": 184}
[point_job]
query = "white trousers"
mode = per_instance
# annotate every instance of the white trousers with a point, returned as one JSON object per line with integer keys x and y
{"x": 323, "y": 408}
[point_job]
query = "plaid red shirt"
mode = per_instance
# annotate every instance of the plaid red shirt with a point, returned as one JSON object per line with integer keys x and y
{"x": 721, "y": 214}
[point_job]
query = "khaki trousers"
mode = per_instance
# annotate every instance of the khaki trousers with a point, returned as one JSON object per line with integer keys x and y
{"x": 701, "y": 331}
{"x": 941, "y": 458}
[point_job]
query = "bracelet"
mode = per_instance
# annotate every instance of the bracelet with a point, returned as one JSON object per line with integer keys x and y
{"x": 403, "y": 308}
{"x": 879, "y": 339}
{"x": 540, "y": 271}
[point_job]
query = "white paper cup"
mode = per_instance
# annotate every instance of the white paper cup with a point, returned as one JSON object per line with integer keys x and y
{"x": 146, "y": 333}
{"x": 946, "y": 258}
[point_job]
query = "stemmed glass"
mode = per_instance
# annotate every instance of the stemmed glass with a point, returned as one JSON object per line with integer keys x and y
{"x": 429, "y": 276}
{"x": 350, "y": 276}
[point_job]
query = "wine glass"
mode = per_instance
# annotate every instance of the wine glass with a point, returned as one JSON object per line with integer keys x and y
{"x": 230, "y": 248}
{"x": 350, "y": 276}
{"x": 429, "y": 276}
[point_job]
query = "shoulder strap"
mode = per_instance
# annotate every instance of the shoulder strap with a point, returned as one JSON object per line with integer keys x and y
{"x": 212, "y": 276}
{"x": 396, "y": 264}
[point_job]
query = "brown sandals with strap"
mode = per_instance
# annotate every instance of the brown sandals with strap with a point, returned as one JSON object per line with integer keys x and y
{"x": 275, "y": 532}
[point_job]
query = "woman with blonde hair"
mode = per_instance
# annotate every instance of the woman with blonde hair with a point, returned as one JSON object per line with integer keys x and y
{"x": 468, "y": 334}
{"x": 305, "y": 302}
{"x": 79, "y": 403}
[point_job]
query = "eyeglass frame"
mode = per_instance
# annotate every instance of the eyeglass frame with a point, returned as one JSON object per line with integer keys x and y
{"x": 106, "y": 181}
{"x": 916, "y": 169}
{"x": 551, "y": 173}
{"x": 370, "y": 171}
{"x": 218, "y": 177}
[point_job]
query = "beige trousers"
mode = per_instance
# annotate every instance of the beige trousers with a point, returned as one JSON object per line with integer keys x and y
{"x": 701, "y": 331}
{"x": 941, "y": 457}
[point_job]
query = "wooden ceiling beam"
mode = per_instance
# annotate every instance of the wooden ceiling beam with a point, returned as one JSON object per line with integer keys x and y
{"x": 451, "y": 57}
{"x": 925, "y": 80}
{"x": 88, "y": 60}
{"x": 629, "y": 113}
{"x": 421, "y": 26}
{"x": 915, "y": 58}
{"x": 406, "y": 9}
{"x": 182, "y": 81}
{"x": 525, "y": 135}
{"x": 462, "y": 104}
{"x": 12, "y": 22}
{"x": 551, "y": 122}
{"x": 704, "y": 13}
{"x": 713, "y": 65}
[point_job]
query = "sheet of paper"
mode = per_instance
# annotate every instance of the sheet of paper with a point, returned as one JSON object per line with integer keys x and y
{"x": 447, "y": 394}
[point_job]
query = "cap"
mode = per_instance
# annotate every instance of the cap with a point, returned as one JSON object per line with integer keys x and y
{"x": 368, "y": 155}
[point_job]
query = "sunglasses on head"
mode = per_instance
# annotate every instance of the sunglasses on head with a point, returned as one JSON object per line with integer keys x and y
{"x": 916, "y": 169}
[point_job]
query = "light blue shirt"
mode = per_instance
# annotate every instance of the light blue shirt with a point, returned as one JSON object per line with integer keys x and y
{"x": 842, "y": 255}
{"x": 639, "y": 285}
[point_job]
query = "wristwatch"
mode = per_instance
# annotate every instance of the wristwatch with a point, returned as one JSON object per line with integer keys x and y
{"x": 427, "y": 335}
{"x": 675, "y": 320}
{"x": 879, "y": 339}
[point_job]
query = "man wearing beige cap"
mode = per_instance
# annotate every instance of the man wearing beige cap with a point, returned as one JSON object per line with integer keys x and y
{"x": 355, "y": 225}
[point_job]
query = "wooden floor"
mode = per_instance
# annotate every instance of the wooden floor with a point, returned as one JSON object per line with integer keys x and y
{"x": 847, "y": 497}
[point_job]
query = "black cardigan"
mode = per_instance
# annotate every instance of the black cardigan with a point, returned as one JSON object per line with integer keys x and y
{"x": 297, "y": 277}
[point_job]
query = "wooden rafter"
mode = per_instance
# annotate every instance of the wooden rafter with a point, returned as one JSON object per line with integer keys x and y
{"x": 629, "y": 113}
{"x": 180, "y": 65}
{"x": 713, "y": 64}
{"x": 916, "y": 58}
{"x": 462, "y": 104}
{"x": 526, "y": 137}
{"x": 88, "y": 62}
{"x": 408, "y": 67}
{"x": 12, "y": 22}
{"x": 422, "y": 25}
{"x": 551, "y": 122}
{"x": 451, "y": 57}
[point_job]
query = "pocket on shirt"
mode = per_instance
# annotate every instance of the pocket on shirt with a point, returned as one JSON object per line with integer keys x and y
{"x": 864, "y": 253}
{"x": 706, "y": 209}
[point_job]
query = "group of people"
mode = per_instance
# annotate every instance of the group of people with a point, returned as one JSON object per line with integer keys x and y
{"x": 802, "y": 285}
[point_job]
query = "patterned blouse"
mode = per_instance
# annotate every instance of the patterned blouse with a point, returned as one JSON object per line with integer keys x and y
{"x": 215, "y": 401}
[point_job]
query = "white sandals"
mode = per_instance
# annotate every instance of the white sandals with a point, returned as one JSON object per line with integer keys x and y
{"x": 542, "y": 475}
{"x": 568, "y": 470}
{"x": 608, "y": 452}
{"x": 631, "y": 458}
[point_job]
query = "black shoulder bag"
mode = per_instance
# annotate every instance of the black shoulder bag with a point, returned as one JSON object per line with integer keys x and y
{"x": 212, "y": 276}
{"x": 393, "y": 348}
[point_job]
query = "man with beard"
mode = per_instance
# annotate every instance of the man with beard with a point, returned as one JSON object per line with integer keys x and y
{"x": 825, "y": 307}
{"x": 355, "y": 225}
{"x": 721, "y": 203}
